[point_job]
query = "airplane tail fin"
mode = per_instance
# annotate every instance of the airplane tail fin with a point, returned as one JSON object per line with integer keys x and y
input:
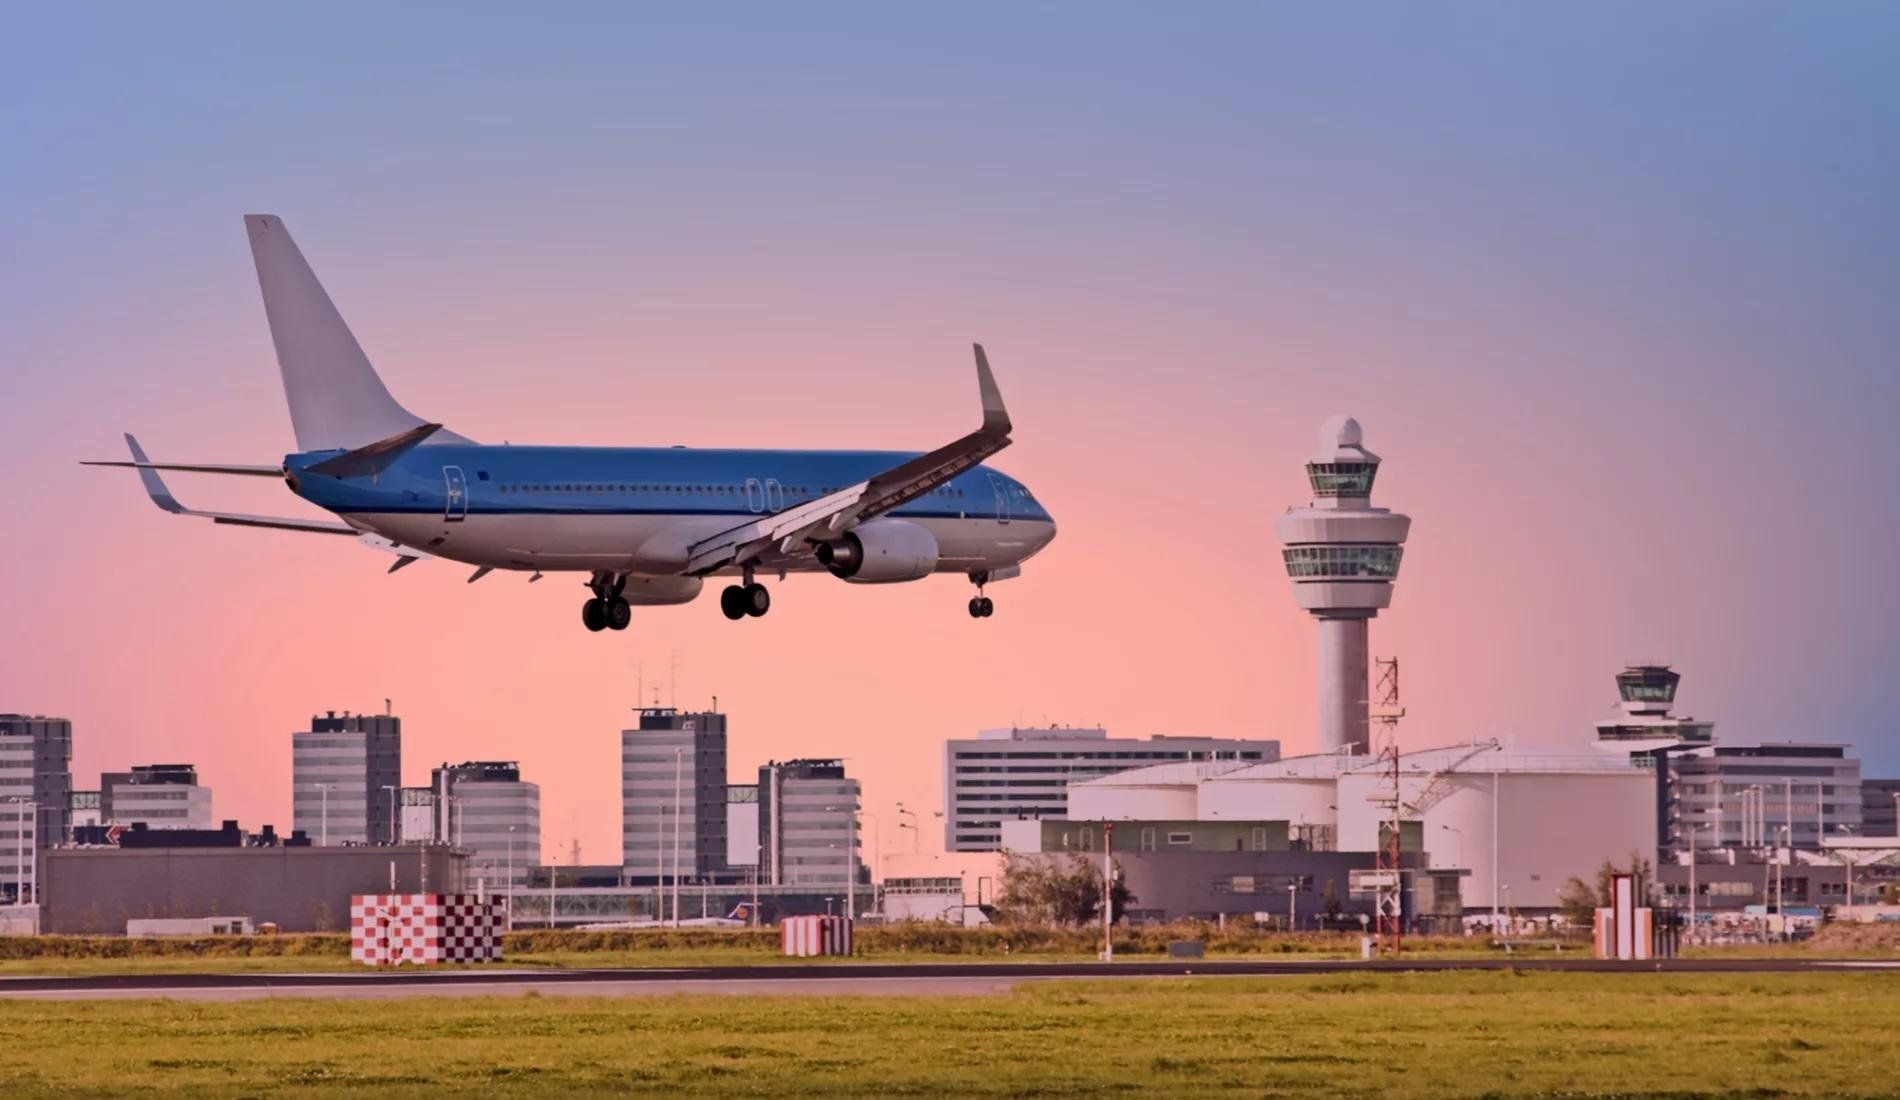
{"x": 336, "y": 399}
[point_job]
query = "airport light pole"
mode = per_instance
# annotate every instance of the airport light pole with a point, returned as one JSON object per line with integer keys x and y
{"x": 1293, "y": 905}
{"x": 511, "y": 879}
{"x": 1693, "y": 829}
{"x": 914, "y": 831}
{"x": 1108, "y": 891}
{"x": 323, "y": 829}
{"x": 678, "y": 756}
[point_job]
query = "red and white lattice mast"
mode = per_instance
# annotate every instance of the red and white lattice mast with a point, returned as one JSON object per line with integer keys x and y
{"x": 1386, "y": 713}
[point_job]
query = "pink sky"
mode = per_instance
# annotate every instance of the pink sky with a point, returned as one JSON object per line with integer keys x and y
{"x": 1624, "y": 345}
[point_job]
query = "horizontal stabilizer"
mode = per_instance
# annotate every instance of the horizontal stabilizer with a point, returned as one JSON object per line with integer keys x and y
{"x": 162, "y": 496}
{"x": 375, "y": 458}
{"x": 197, "y": 468}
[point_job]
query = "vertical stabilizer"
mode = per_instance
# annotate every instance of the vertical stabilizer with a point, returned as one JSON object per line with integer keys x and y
{"x": 336, "y": 399}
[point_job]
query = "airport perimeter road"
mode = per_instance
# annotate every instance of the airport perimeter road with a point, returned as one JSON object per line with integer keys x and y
{"x": 824, "y": 979}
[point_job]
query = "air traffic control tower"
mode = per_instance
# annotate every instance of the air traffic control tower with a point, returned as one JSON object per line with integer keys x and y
{"x": 1342, "y": 555}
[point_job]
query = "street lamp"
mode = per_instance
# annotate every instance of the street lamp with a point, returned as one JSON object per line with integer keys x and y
{"x": 1693, "y": 829}
{"x": 678, "y": 757}
{"x": 511, "y": 879}
{"x": 850, "y": 859}
{"x": 1292, "y": 905}
{"x": 323, "y": 832}
{"x": 915, "y": 832}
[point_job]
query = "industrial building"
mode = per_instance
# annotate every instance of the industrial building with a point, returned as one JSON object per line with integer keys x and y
{"x": 342, "y": 771}
{"x": 484, "y": 807}
{"x": 1510, "y": 817}
{"x": 1342, "y": 555}
{"x": 160, "y": 796}
{"x": 808, "y": 815}
{"x": 673, "y": 794}
{"x": 298, "y": 888}
{"x": 36, "y": 784}
{"x": 1016, "y": 773}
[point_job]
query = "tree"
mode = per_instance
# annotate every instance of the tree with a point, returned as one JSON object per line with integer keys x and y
{"x": 1056, "y": 889}
{"x": 1579, "y": 900}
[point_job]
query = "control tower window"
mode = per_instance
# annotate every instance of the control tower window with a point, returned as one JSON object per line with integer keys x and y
{"x": 1327, "y": 562}
{"x": 1648, "y": 684}
{"x": 1341, "y": 479}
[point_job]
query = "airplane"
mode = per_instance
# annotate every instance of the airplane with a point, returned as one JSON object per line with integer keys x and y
{"x": 646, "y": 525}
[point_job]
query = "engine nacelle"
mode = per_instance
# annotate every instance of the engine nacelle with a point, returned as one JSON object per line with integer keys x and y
{"x": 661, "y": 591}
{"x": 882, "y": 551}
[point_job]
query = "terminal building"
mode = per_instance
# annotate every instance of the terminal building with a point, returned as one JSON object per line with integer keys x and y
{"x": 1017, "y": 774}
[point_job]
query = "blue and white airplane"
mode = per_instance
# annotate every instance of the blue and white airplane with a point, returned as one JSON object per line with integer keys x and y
{"x": 647, "y": 525}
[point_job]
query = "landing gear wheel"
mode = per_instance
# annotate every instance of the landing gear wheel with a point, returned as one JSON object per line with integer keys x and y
{"x": 619, "y": 614}
{"x": 594, "y": 615}
{"x": 989, "y": 606}
{"x": 976, "y": 607}
{"x": 758, "y": 600}
{"x": 732, "y": 601}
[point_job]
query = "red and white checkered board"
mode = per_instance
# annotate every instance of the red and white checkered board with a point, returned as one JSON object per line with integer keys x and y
{"x": 392, "y": 929}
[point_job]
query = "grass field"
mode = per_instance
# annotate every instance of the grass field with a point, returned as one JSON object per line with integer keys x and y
{"x": 1424, "y": 1035}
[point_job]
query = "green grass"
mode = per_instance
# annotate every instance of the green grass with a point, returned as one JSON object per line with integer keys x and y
{"x": 1423, "y": 1035}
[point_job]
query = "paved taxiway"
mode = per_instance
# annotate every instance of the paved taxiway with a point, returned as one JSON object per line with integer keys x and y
{"x": 823, "y": 979}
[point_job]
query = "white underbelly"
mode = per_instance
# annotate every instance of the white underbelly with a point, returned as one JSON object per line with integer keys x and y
{"x": 615, "y": 542}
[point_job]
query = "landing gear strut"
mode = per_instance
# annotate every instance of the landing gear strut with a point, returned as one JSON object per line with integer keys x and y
{"x": 750, "y": 598}
{"x": 607, "y": 610}
{"x": 981, "y": 606}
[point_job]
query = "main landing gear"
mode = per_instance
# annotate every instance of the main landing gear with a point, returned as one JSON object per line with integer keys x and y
{"x": 981, "y": 606}
{"x": 750, "y": 598}
{"x": 607, "y": 610}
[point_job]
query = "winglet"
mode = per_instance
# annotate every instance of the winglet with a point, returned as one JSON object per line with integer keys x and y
{"x": 995, "y": 416}
{"x": 154, "y": 485}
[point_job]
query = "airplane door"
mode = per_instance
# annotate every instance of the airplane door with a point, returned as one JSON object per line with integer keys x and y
{"x": 455, "y": 500}
{"x": 754, "y": 495}
{"x": 774, "y": 495}
{"x": 1002, "y": 498}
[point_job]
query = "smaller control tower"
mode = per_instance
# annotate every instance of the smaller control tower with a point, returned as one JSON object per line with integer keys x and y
{"x": 1643, "y": 722}
{"x": 1342, "y": 555}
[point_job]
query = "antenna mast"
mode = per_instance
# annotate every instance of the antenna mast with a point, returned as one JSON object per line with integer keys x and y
{"x": 1386, "y": 712}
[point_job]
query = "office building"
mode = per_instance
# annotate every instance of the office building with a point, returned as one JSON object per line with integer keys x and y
{"x": 159, "y": 796}
{"x": 36, "y": 786}
{"x": 1762, "y": 796}
{"x": 341, "y": 773}
{"x": 1010, "y": 774}
{"x": 673, "y": 795}
{"x": 486, "y": 808}
{"x": 1342, "y": 555}
{"x": 808, "y": 833}
{"x": 1880, "y": 807}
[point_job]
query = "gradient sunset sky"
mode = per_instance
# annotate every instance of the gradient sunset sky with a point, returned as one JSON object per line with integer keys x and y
{"x": 1613, "y": 290}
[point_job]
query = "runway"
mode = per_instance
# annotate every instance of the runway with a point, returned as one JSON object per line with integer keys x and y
{"x": 823, "y": 979}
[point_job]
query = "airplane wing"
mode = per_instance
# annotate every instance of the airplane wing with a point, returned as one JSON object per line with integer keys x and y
{"x": 162, "y": 496}
{"x": 894, "y": 487}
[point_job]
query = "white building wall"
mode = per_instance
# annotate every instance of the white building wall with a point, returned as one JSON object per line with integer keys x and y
{"x": 742, "y": 834}
{"x": 1092, "y": 802}
{"x": 500, "y": 823}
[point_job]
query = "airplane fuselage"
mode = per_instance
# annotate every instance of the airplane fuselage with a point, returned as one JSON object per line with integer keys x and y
{"x": 639, "y": 510}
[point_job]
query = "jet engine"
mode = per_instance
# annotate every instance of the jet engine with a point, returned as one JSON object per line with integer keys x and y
{"x": 881, "y": 552}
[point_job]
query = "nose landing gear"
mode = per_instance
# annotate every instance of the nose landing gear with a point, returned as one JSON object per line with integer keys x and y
{"x": 981, "y": 606}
